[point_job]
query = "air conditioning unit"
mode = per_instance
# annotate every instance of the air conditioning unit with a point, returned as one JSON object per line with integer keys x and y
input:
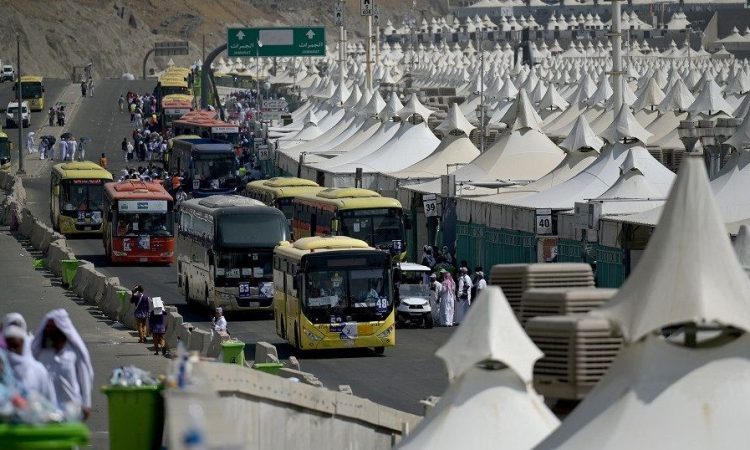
{"x": 561, "y": 301}
{"x": 578, "y": 351}
{"x": 515, "y": 279}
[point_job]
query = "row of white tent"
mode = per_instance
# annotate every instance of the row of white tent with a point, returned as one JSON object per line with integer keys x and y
{"x": 342, "y": 128}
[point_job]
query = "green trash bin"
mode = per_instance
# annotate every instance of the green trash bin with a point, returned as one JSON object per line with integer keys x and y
{"x": 69, "y": 269}
{"x": 136, "y": 416}
{"x": 123, "y": 297}
{"x": 233, "y": 352}
{"x": 64, "y": 436}
{"x": 272, "y": 368}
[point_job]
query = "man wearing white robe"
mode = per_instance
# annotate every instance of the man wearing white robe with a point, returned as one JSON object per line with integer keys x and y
{"x": 60, "y": 348}
{"x": 30, "y": 374}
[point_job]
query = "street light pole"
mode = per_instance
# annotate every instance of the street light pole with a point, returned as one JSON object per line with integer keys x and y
{"x": 19, "y": 112}
{"x": 481, "y": 90}
{"x": 258, "y": 45}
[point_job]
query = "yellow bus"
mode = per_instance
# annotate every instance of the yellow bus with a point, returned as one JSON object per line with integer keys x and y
{"x": 173, "y": 85}
{"x": 32, "y": 90}
{"x": 6, "y": 146}
{"x": 333, "y": 292}
{"x": 77, "y": 197}
{"x": 280, "y": 191}
{"x": 354, "y": 212}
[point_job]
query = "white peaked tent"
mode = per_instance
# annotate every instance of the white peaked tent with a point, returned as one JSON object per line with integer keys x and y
{"x": 632, "y": 192}
{"x": 582, "y": 136}
{"x": 581, "y": 150}
{"x": 310, "y": 131}
{"x": 710, "y": 100}
{"x": 414, "y": 106}
{"x": 605, "y": 171}
{"x": 490, "y": 403}
{"x": 625, "y": 124}
{"x": 455, "y": 148}
{"x": 657, "y": 391}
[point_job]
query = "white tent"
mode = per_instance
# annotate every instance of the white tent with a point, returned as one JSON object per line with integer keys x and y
{"x": 657, "y": 391}
{"x": 454, "y": 149}
{"x": 490, "y": 403}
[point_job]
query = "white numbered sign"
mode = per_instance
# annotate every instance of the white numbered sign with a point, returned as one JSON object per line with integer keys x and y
{"x": 544, "y": 224}
{"x": 429, "y": 202}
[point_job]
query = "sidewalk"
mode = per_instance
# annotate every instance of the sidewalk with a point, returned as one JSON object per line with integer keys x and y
{"x": 71, "y": 98}
{"x": 34, "y": 292}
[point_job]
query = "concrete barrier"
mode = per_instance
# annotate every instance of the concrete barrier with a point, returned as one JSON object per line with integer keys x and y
{"x": 200, "y": 340}
{"x": 214, "y": 348}
{"x": 247, "y": 406}
{"x": 57, "y": 252}
{"x": 27, "y": 222}
{"x": 265, "y": 353}
{"x": 184, "y": 332}
{"x": 174, "y": 324}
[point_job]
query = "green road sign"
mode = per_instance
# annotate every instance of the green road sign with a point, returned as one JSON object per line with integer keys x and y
{"x": 296, "y": 41}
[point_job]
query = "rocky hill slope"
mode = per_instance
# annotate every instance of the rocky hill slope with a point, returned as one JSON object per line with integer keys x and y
{"x": 58, "y": 35}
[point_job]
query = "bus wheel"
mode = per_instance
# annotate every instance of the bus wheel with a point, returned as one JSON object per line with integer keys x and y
{"x": 379, "y": 350}
{"x": 282, "y": 327}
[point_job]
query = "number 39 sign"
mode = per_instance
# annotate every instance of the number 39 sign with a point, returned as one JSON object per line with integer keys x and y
{"x": 430, "y": 204}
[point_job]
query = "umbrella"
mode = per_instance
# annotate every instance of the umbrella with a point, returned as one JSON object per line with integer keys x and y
{"x": 50, "y": 139}
{"x": 66, "y": 135}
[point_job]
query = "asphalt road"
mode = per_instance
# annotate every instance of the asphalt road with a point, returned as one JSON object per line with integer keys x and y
{"x": 406, "y": 373}
{"x": 53, "y": 88}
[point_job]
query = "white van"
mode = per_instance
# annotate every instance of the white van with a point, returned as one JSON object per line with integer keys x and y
{"x": 6, "y": 73}
{"x": 12, "y": 110}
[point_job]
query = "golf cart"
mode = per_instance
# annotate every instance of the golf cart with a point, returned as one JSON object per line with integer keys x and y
{"x": 411, "y": 283}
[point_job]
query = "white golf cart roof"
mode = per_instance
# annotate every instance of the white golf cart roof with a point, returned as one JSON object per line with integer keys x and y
{"x": 15, "y": 104}
{"x": 413, "y": 267}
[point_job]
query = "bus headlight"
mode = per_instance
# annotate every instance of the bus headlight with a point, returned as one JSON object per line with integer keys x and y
{"x": 166, "y": 255}
{"x": 386, "y": 333}
{"x": 226, "y": 296}
{"x": 116, "y": 253}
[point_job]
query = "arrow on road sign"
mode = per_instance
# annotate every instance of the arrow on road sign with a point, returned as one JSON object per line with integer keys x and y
{"x": 240, "y": 35}
{"x": 310, "y": 34}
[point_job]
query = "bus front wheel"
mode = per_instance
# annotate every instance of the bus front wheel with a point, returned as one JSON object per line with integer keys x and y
{"x": 379, "y": 350}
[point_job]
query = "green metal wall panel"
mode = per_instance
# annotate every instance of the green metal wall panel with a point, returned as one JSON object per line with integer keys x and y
{"x": 610, "y": 266}
{"x": 569, "y": 250}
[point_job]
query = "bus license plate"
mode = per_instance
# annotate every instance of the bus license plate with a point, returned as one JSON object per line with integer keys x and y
{"x": 253, "y": 304}
{"x": 86, "y": 228}
{"x": 142, "y": 259}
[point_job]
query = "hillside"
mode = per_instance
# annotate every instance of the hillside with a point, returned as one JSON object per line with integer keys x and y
{"x": 115, "y": 35}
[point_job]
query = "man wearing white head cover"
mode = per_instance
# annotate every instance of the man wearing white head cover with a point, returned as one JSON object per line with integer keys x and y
{"x": 220, "y": 323}
{"x": 30, "y": 374}
{"x": 60, "y": 348}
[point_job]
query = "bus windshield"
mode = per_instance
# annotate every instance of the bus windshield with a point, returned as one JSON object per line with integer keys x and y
{"x": 350, "y": 288}
{"x": 379, "y": 227}
{"x": 213, "y": 166}
{"x": 82, "y": 195}
{"x": 169, "y": 90}
{"x": 145, "y": 224}
{"x": 251, "y": 230}
{"x": 31, "y": 90}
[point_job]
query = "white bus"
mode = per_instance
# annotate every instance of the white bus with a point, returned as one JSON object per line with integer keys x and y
{"x": 224, "y": 251}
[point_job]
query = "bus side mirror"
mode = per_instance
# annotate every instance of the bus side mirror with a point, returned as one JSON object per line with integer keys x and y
{"x": 210, "y": 258}
{"x": 296, "y": 281}
{"x": 56, "y": 191}
{"x": 407, "y": 222}
{"x": 109, "y": 216}
{"x": 335, "y": 226}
